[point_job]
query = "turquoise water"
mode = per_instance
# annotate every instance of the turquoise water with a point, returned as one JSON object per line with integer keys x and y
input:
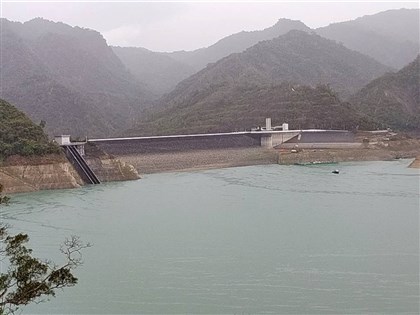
{"x": 250, "y": 240}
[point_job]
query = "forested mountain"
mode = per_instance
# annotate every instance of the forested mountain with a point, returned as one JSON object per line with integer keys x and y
{"x": 391, "y": 37}
{"x": 241, "y": 85}
{"x": 243, "y": 107}
{"x": 393, "y": 99}
{"x": 19, "y": 135}
{"x": 296, "y": 57}
{"x": 159, "y": 72}
{"x": 68, "y": 77}
{"x": 235, "y": 43}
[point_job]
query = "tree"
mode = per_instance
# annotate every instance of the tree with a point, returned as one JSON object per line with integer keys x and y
{"x": 29, "y": 279}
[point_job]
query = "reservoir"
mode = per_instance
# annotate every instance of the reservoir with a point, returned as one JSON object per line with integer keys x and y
{"x": 250, "y": 240}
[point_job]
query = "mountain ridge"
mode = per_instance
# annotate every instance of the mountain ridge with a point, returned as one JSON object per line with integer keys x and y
{"x": 391, "y": 37}
{"x": 235, "y": 43}
{"x": 393, "y": 99}
{"x": 295, "y": 67}
{"x": 79, "y": 84}
{"x": 180, "y": 65}
{"x": 289, "y": 57}
{"x": 372, "y": 35}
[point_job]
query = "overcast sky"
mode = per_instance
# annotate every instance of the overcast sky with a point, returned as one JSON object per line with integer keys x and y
{"x": 169, "y": 26}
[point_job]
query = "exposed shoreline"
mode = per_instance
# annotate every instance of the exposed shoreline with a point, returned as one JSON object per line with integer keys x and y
{"x": 22, "y": 175}
{"x": 343, "y": 155}
{"x": 49, "y": 172}
{"x": 199, "y": 160}
{"x": 213, "y": 159}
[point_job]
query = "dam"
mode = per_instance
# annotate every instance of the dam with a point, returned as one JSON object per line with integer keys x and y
{"x": 214, "y": 150}
{"x": 176, "y": 143}
{"x": 258, "y": 146}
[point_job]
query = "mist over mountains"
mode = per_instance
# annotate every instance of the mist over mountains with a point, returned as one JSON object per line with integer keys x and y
{"x": 296, "y": 57}
{"x": 391, "y": 37}
{"x": 72, "y": 79}
{"x": 242, "y": 107}
{"x": 390, "y": 101}
{"x": 393, "y": 99}
{"x": 68, "y": 77}
{"x": 235, "y": 43}
{"x": 163, "y": 71}
{"x": 158, "y": 72}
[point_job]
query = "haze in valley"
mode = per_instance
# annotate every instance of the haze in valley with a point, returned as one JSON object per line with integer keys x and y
{"x": 171, "y": 26}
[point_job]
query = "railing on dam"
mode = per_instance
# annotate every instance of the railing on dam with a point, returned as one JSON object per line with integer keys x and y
{"x": 256, "y": 134}
{"x": 178, "y": 143}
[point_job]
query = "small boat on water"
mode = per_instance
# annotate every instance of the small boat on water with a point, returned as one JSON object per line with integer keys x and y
{"x": 336, "y": 172}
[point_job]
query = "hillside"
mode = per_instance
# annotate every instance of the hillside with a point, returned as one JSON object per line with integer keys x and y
{"x": 243, "y": 107}
{"x": 391, "y": 37}
{"x": 19, "y": 135}
{"x": 235, "y": 43}
{"x": 234, "y": 93}
{"x": 296, "y": 57}
{"x": 159, "y": 72}
{"x": 68, "y": 77}
{"x": 393, "y": 99}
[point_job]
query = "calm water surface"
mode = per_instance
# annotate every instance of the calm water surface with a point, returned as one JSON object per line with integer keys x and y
{"x": 250, "y": 240}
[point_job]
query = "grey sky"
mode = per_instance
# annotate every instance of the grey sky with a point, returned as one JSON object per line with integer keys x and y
{"x": 168, "y": 26}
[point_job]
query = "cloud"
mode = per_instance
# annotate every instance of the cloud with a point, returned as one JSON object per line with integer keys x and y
{"x": 185, "y": 26}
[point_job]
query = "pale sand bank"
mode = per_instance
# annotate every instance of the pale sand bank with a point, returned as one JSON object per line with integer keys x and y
{"x": 210, "y": 159}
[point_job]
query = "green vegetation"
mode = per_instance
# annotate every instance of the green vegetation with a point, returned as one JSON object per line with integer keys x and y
{"x": 28, "y": 279}
{"x": 286, "y": 78}
{"x": 244, "y": 107}
{"x": 68, "y": 77}
{"x": 391, "y": 37}
{"x": 393, "y": 100}
{"x": 20, "y": 136}
{"x": 236, "y": 94}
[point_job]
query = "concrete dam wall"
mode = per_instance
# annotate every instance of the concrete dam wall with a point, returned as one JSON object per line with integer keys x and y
{"x": 328, "y": 136}
{"x": 176, "y": 153}
{"x": 154, "y": 145}
{"x": 186, "y": 152}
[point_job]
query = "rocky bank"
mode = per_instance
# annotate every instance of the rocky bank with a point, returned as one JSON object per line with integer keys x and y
{"x": 27, "y": 174}
{"x": 31, "y": 174}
